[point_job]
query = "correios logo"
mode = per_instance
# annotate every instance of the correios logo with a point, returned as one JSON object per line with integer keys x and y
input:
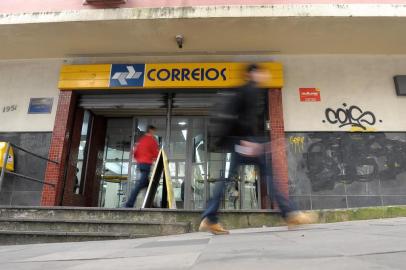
{"x": 122, "y": 77}
{"x": 127, "y": 75}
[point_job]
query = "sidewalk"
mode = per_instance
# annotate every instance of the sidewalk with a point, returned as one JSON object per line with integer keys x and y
{"x": 373, "y": 244}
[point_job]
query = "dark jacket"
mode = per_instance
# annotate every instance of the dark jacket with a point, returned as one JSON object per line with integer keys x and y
{"x": 236, "y": 114}
{"x": 248, "y": 106}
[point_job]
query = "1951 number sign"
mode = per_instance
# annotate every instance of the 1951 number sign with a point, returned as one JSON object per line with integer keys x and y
{"x": 10, "y": 108}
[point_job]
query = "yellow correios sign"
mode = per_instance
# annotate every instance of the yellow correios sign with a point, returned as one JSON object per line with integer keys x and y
{"x": 169, "y": 75}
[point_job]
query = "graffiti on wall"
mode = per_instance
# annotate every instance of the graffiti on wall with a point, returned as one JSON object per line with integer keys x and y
{"x": 351, "y": 116}
{"x": 329, "y": 158}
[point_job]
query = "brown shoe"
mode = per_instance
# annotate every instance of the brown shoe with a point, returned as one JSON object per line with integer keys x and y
{"x": 299, "y": 218}
{"x": 214, "y": 228}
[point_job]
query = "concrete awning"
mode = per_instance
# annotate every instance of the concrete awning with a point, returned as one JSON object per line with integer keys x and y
{"x": 280, "y": 29}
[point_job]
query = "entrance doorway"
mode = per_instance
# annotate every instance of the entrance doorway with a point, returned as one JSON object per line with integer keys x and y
{"x": 183, "y": 141}
{"x": 182, "y": 131}
{"x": 193, "y": 168}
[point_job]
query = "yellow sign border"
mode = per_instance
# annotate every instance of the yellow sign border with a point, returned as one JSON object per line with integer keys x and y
{"x": 97, "y": 77}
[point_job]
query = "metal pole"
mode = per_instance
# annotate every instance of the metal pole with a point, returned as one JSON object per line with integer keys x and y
{"x": 242, "y": 186}
{"x": 130, "y": 158}
{"x": 33, "y": 154}
{"x": 206, "y": 190}
{"x": 31, "y": 178}
{"x": 168, "y": 123}
{"x": 258, "y": 182}
{"x": 4, "y": 168}
{"x": 187, "y": 200}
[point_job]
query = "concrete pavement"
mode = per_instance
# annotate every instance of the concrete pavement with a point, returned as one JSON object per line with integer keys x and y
{"x": 372, "y": 244}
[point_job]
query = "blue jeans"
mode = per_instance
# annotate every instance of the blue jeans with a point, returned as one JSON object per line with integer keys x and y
{"x": 273, "y": 190}
{"x": 142, "y": 183}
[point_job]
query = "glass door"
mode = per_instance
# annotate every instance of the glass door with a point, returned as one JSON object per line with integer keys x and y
{"x": 242, "y": 190}
{"x": 194, "y": 166}
{"x": 187, "y": 161}
{"x": 115, "y": 162}
{"x": 186, "y": 151}
{"x": 177, "y": 155}
{"x": 140, "y": 125}
{"x": 198, "y": 163}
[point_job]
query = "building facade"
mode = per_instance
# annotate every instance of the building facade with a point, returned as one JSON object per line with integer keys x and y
{"x": 79, "y": 83}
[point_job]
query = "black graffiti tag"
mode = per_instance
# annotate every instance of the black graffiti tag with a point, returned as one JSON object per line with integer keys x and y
{"x": 352, "y": 116}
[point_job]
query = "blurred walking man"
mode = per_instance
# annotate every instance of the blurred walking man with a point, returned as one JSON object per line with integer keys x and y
{"x": 237, "y": 127}
{"x": 145, "y": 153}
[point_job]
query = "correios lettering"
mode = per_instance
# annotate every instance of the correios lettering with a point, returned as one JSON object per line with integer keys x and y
{"x": 185, "y": 74}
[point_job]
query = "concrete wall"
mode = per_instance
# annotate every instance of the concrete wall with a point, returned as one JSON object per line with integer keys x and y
{"x": 20, "y": 81}
{"x": 363, "y": 81}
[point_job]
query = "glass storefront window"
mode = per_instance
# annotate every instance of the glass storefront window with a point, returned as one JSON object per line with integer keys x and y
{"x": 193, "y": 167}
{"x": 181, "y": 169}
{"x": 178, "y": 145}
{"x": 198, "y": 163}
{"x": 250, "y": 178}
{"x": 119, "y": 168}
{"x": 172, "y": 169}
{"x": 241, "y": 191}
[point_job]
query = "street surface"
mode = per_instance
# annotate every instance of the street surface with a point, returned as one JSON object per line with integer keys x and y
{"x": 373, "y": 244}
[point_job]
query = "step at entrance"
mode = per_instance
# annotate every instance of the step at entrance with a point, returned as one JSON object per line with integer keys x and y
{"x": 94, "y": 226}
{"x": 36, "y": 237}
{"x": 27, "y": 225}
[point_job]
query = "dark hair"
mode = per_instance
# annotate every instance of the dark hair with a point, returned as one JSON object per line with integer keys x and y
{"x": 252, "y": 67}
{"x": 151, "y": 127}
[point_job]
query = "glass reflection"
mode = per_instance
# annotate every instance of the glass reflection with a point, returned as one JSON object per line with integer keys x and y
{"x": 82, "y": 153}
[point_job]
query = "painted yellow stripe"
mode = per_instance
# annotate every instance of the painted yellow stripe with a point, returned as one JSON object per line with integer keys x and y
{"x": 83, "y": 84}
{"x": 74, "y": 76}
{"x": 84, "y": 77}
{"x": 85, "y": 68}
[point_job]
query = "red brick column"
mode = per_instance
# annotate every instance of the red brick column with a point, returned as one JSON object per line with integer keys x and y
{"x": 55, "y": 173}
{"x": 278, "y": 144}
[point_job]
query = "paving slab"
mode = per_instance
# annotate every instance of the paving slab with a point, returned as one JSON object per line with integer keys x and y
{"x": 357, "y": 245}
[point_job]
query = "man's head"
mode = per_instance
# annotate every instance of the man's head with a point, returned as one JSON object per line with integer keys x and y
{"x": 151, "y": 129}
{"x": 256, "y": 74}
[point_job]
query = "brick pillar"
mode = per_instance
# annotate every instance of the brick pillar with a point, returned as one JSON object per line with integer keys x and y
{"x": 55, "y": 173}
{"x": 278, "y": 143}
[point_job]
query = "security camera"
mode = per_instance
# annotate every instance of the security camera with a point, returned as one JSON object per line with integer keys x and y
{"x": 179, "y": 41}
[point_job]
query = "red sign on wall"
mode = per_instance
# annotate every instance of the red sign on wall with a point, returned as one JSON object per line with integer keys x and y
{"x": 309, "y": 94}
